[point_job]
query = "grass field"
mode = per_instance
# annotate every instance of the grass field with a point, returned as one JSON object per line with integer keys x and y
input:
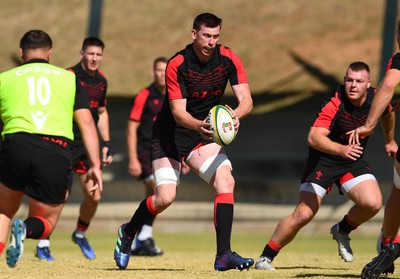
{"x": 191, "y": 255}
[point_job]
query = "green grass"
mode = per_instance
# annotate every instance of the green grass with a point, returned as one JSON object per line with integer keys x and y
{"x": 191, "y": 255}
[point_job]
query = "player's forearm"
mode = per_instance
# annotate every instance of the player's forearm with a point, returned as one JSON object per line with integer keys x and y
{"x": 381, "y": 100}
{"x": 326, "y": 145}
{"x": 243, "y": 95}
{"x": 103, "y": 126}
{"x": 188, "y": 121}
{"x": 90, "y": 140}
{"x": 131, "y": 140}
{"x": 244, "y": 108}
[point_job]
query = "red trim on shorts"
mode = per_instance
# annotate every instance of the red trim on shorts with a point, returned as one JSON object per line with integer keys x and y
{"x": 274, "y": 246}
{"x": 80, "y": 167}
{"x": 193, "y": 149}
{"x": 149, "y": 204}
{"x": 348, "y": 176}
{"x": 46, "y": 225}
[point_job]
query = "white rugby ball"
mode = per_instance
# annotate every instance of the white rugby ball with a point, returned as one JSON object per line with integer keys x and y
{"x": 222, "y": 126}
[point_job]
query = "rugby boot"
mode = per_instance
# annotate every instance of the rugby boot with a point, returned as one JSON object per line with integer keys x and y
{"x": 343, "y": 241}
{"x": 16, "y": 246}
{"x": 379, "y": 264}
{"x": 231, "y": 260}
{"x": 264, "y": 263}
{"x": 43, "y": 254}
{"x": 122, "y": 251}
{"x": 80, "y": 239}
{"x": 379, "y": 247}
{"x": 146, "y": 247}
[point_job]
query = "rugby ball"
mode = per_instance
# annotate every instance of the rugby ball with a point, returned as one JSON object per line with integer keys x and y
{"x": 221, "y": 121}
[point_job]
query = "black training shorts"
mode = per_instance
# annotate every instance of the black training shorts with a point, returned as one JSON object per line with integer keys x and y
{"x": 144, "y": 157}
{"x": 326, "y": 172}
{"x": 36, "y": 165}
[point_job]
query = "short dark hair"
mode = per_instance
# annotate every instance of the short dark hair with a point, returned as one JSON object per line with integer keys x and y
{"x": 92, "y": 41}
{"x": 34, "y": 39}
{"x": 208, "y": 20}
{"x": 159, "y": 59}
{"x": 359, "y": 66}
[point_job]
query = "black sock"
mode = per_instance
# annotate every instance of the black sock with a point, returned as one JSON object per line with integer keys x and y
{"x": 34, "y": 228}
{"x": 345, "y": 227}
{"x": 223, "y": 227}
{"x": 139, "y": 218}
{"x": 150, "y": 221}
{"x": 269, "y": 252}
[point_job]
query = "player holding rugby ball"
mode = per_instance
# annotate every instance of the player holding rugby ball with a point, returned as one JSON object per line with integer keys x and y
{"x": 196, "y": 78}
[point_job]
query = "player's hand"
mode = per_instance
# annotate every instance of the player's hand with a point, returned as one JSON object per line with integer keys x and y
{"x": 352, "y": 151}
{"x": 391, "y": 148}
{"x": 205, "y": 129}
{"x": 94, "y": 174}
{"x": 135, "y": 168}
{"x": 107, "y": 153}
{"x": 360, "y": 132}
{"x": 235, "y": 117}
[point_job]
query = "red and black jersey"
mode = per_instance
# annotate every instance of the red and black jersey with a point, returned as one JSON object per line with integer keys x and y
{"x": 145, "y": 107}
{"x": 96, "y": 89}
{"x": 202, "y": 85}
{"x": 394, "y": 62}
{"x": 340, "y": 116}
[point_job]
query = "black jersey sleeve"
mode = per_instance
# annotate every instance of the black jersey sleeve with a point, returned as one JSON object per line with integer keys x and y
{"x": 81, "y": 98}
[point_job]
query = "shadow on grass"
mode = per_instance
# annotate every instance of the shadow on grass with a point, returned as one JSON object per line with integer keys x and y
{"x": 307, "y": 267}
{"x": 318, "y": 275}
{"x": 145, "y": 269}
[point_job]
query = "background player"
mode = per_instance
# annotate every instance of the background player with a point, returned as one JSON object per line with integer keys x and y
{"x": 332, "y": 160}
{"x": 146, "y": 104}
{"x": 95, "y": 84}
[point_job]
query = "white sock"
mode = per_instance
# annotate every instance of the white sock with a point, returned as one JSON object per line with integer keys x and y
{"x": 145, "y": 233}
{"x": 133, "y": 246}
{"x": 44, "y": 243}
{"x": 79, "y": 234}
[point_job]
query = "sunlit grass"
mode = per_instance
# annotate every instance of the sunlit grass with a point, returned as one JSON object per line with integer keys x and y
{"x": 191, "y": 255}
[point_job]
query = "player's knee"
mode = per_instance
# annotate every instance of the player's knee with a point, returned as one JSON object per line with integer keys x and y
{"x": 303, "y": 215}
{"x": 374, "y": 204}
{"x": 163, "y": 202}
{"x": 224, "y": 184}
{"x": 96, "y": 199}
